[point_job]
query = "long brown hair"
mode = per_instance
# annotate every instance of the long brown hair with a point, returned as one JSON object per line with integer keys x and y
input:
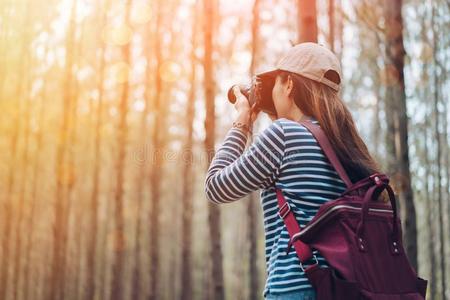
{"x": 324, "y": 104}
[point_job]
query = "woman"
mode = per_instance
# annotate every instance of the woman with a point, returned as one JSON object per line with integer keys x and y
{"x": 286, "y": 155}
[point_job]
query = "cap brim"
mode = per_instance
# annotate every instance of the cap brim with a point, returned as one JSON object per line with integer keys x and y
{"x": 268, "y": 74}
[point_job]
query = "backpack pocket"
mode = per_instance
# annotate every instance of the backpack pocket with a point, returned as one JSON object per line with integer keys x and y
{"x": 330, "y": 285}
{"x": 422, "y": 286}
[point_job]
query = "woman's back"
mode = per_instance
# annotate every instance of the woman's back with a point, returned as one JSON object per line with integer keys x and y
{"x": 285, "y": 154}
{"x": 307, "y": 180}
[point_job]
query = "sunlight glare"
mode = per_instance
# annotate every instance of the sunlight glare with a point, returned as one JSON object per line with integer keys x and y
{"x": 141, "y": 13}
{"x": 119, "y": 72}
{"x": 170, "y": 71}
{"x": 139, "y": 105}
{"x": 119, "y": 35}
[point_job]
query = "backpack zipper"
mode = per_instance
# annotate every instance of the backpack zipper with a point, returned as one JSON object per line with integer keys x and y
{"x": 332, "y": 210}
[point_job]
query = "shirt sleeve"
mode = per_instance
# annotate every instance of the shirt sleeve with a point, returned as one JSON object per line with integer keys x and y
{"x": 234, "y": 173}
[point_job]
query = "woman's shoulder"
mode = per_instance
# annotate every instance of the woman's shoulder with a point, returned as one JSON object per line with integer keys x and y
{"x": 286, "y": 129}
{"x": 289, "y": 125}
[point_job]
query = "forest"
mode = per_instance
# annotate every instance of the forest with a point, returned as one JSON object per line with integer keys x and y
{"x": 111, "y": 111}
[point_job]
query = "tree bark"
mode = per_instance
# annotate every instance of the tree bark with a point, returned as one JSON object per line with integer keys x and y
{"x": 447, "y": 160}
{"x": 339, "y": 31}
{"x": 437, "y": 137}
{"x": 8, "y": 200}
{"x": 252, "y": 200}
{"x": 20, "y": 212}
{"x": 142, "y": 174}
{"x": 188, "y": 180}
{"x": 21, "y": 200}
{"x": 214, "y": 215}
{"x": 429, "y": 213}
{"x": 156, "y": 160}
{"x": 331, "y": 23}
{"x": 307, "y": 21}
{"x": 93, "y": 214}
{"x": 122, "y": 136}
{"x": 34, "y": 186}
{"x": 397, "y": 143}
{"x": 61, "y": 214}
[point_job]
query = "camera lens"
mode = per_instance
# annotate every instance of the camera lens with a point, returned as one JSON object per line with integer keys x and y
{"x": 258, "y": 94}
{"x": 245, "y": 90}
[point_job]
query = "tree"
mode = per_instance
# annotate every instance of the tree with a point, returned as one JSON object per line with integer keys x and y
{"x": 61, "y": 213}
{"x": 92, "y": 242}
{"x": 397, "y": 124}
{"x": 122, "y": 135}
{"x": 35, "y": 179}
{"x": 252, "y": 199}
{"x": 331, "y": 23}
{"x": 307, "y": 21}
{"x": 157, "y": 163}
{"x": 8, "y": 200}
{"x": 216, "y": 257}
{"x": 142, "y": 174}
{"x": 439, "y": 162}
{"x": 188, "y": 180}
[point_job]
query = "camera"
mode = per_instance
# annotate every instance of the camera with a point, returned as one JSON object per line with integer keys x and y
{"x": 258, "y": 93}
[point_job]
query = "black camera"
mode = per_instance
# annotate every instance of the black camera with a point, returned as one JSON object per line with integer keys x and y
{"x": 259, "y": 92}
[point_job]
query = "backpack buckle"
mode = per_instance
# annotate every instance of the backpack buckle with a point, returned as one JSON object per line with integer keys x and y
{"x": 376, "y": 179}
{"x": 284, "y": 210}
{"x": 316, "y": 263}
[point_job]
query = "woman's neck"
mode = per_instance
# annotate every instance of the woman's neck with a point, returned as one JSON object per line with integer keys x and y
{"x": 297, "y": 115}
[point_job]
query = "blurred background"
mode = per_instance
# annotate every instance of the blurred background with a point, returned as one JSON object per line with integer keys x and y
{"x": 111, "y": 110}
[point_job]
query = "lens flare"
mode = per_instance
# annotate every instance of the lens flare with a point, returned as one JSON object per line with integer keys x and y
{"x": 118, "y": 35}
{"x": 169, "y": 71}
{"x": 141, "y": 13}
{"x": 119, "y": 72}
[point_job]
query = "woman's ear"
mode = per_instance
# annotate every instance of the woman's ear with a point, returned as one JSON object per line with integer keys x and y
{"x": 290, "y": 85}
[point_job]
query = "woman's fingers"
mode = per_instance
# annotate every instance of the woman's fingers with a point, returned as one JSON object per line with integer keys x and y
{"x": 241, "y": 103}
{"x": 255, "y": 110}
{"x": 238, "y": 94}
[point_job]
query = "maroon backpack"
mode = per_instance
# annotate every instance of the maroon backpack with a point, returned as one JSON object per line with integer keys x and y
{"x": 359, "y": 237}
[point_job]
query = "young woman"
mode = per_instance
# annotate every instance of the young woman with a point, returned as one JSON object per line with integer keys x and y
{"x": 286, "y": 155}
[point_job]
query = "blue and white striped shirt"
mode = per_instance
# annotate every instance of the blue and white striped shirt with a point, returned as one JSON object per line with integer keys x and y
{"x": 287, "y": 155}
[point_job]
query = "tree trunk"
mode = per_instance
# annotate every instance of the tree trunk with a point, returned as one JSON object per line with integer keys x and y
{"x": 34, "y": 186}
{"x": 122, "y": 136}
{"x": 16, "y": 280}
{"x": 447, "y": 160}
{"x": 438, "y": 162}
{"x": 156, "y": 167}
{"x": 397, "y": 124}
{"x": 188, "y": 180}
{"x": 307, "y": 21}
{"x": 21, "y": 200}
{"x": 214, "y": 215}
{"x": 331, "y": 23}
{"x": 429, "y": 213}
{"x": 252, "y": 201}
{"x": 92, "y": 238}
{"x": 104, "y": 259}
{"x": 8, "y": 201}
{"x": 339, "y": 31}
{"x": 142, "y": 174}
{"x": 61, "y": 213}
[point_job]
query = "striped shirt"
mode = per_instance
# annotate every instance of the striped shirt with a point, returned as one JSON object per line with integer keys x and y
{"x": 288, "y": 156}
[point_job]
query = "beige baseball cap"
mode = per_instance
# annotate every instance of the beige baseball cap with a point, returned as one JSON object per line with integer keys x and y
{"x": 310, "y": 60}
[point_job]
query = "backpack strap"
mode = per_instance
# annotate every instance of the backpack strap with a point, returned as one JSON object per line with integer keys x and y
{"x": 304, "y": 252}
{"x": 327, "y": 149}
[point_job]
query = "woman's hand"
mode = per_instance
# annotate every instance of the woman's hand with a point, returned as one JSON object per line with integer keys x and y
{"x": 246, "y": 114}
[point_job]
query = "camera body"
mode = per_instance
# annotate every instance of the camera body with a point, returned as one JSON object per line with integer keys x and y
{"x": 258, "y": 93}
